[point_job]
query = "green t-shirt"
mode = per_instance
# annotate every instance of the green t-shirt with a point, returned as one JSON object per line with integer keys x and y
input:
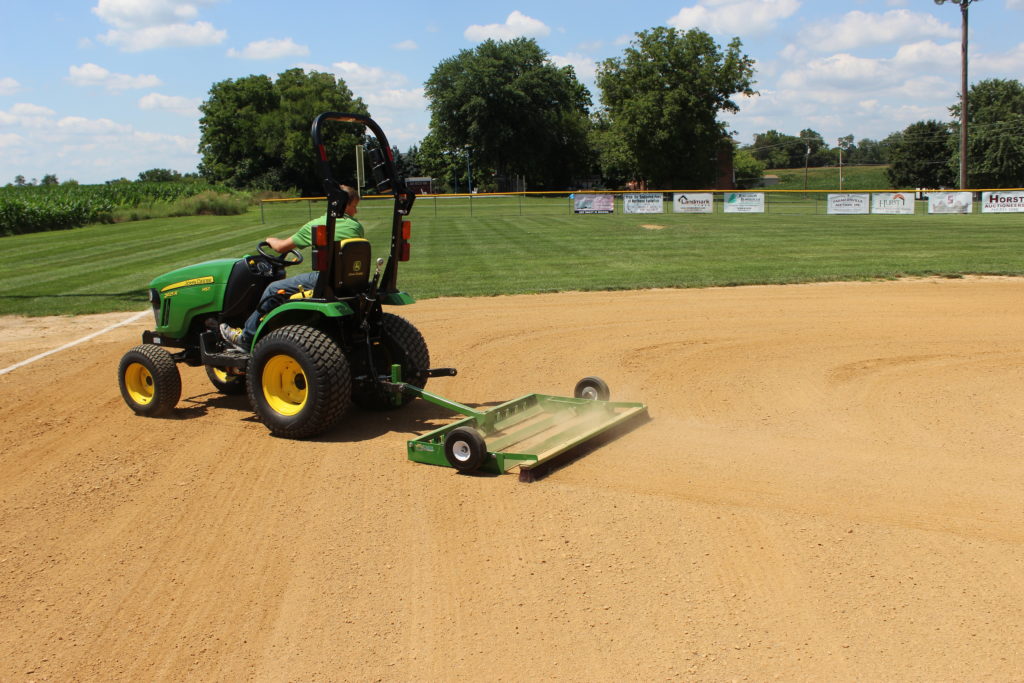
{"x": 345, "y": 228}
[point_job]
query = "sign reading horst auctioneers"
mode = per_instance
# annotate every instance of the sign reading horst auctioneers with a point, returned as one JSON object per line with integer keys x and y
{"x": 901, "y": 203}
{"x": 693, "y": 202}
{"x": 1002, "y": 202}
{"x": 643, "y": 202}
{"x": 744, "y": 202}
{"x": 592, "y": 203}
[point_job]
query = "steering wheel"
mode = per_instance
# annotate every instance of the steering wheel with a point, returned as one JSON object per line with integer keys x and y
{"x": 280, "y": 259}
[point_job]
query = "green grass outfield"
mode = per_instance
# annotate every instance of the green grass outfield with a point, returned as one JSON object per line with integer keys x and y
{"x": 104, "y": 268}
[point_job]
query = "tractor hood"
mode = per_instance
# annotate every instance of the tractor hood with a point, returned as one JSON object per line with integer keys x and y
{"x": 200, "y": 275}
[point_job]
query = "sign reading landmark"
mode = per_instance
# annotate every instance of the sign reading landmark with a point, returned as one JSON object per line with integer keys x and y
{"x": 693, "y": 202}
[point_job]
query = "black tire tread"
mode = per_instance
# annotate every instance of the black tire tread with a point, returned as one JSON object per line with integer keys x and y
{"x": 330, "y": 381}
{"x": 166, "y": 379}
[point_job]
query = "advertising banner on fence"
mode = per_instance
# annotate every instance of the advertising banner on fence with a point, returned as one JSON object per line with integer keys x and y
{"x": 643, "y": 202}
{"x": 744, "y": 202}
{"x": 1002, "y": 202}
{"x": 592, "y": 203}
{"x": 949, "y": 202}
{"x": 901, "y": 203}
{"x": 693, "y": 202}
{"x": 848, "y": 203}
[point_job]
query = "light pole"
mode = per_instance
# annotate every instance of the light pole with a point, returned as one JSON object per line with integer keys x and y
{"x": 469, "y": 169}
{"x": 963, "y": 86}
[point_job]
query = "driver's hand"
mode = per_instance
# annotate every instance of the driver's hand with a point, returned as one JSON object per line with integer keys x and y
{"x": 281, "y": 246}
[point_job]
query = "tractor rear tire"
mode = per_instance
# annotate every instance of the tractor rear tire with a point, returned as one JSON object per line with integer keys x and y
{"x": 149, "y": 380}
{"x": 299, "y": 382}
{"x": 403, "y": 344}
{"x": 225, "y": 382}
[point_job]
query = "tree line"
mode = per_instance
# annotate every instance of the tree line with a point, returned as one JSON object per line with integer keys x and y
{"x": 503, "y": 113}
{"x": 925, "y": 153}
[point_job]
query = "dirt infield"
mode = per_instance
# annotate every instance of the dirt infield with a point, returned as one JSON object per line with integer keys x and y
{"x": 831, "y": 487}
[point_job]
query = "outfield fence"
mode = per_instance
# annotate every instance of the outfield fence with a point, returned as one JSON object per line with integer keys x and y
{"x": 690, "y": 202}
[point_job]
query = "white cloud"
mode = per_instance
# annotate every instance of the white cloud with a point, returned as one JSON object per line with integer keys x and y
{"x": 858, "y": 28}
{"x": 834, "y": 70}
{"x": 10, "y": 140}
{"x": 736, "y": 17}
{"x": 37, "y": 141}
{"x": 397, "y": 99}
{"x": 147, "y": 24}
{"x": 406, "y": 45}
{"x": 178, "y": 105}
{"x": 94, "y": 75}
{"x": 271, "y": 48}
{"x": 132, "y": 14}
{"x": 1015, "y": 4}
{"x": 1007, "y": 63}
{"x": 585, "y": 67}
{"x": 369, "y": 77}
{"x": 173, "y": 35}
{"x": 79, "y": 125}
{"x": 27, "y": 115}
{"x": 9, "y": 86}
{"x": 517, "y": 25}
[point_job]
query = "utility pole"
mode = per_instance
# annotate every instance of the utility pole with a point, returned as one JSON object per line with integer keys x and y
{"x": 963, "y": 4}
{"x": 843, "y": 144}
{"x": 807, "y": 158}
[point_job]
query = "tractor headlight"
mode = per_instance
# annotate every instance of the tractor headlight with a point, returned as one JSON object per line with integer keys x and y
{"x": 154, "y": 301}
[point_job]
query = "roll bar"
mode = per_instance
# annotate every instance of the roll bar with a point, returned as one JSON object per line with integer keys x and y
{"x": 386, "y": 178}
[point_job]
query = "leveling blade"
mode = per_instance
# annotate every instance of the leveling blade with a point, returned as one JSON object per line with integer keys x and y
{"x": 532, "y": 432}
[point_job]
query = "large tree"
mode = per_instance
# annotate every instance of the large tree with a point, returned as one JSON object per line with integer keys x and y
{"x": 255, "y": 132}
{"x": 995, "y": 149}
{"x": 663, "y": 97}
{"x": 918, "y": 157}
{"x": 512, "y": 109}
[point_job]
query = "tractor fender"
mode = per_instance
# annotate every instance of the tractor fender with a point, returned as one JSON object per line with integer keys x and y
{"x": 397, "y": 299}
{"x": 300, "y": 312}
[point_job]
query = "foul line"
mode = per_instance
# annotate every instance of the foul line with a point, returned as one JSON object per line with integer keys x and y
{"x": 86, "y": 338}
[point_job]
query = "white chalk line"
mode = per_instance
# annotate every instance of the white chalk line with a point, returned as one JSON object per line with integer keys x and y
{"x": 86, "y": 338}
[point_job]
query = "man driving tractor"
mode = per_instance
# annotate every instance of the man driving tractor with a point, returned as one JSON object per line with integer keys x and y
{"x": 345, "y": 228}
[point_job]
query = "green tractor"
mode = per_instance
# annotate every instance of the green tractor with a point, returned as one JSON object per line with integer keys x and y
{"x": 315, "y": 354}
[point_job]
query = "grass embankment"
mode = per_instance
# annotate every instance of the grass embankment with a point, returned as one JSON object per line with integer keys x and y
{"x": 108, "y": 267}
{"x": 827, "y": 178}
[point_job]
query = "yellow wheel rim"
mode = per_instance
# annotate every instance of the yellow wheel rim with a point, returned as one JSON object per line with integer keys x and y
{"x": 284, "y": 385}
{"x": 139, "y": 383}
{"x": 221, "y": 375}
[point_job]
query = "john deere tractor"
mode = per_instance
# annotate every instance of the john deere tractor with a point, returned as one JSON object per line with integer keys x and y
{"x": 314, "y": 354}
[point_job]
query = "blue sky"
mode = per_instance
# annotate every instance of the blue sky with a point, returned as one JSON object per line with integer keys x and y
{"x": 102, "y": 89}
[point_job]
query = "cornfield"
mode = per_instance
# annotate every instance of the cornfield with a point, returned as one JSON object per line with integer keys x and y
{"x": 58, "y": 207}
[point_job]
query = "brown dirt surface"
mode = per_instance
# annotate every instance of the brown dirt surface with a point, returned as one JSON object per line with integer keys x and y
{"x": 830, "y": 487}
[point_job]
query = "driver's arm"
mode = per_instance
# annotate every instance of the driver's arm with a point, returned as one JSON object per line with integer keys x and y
{"x": 281, "y": 246}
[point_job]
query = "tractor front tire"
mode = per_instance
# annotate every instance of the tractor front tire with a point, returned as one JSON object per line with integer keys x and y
{"x": 299, "y": 382}
{"x": 149, "y": 380}
{"x": 401, "y": 344}
{"x": 225, "y": 382}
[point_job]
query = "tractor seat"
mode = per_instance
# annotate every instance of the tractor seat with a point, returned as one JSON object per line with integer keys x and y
{"x": 352, "y": 266}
